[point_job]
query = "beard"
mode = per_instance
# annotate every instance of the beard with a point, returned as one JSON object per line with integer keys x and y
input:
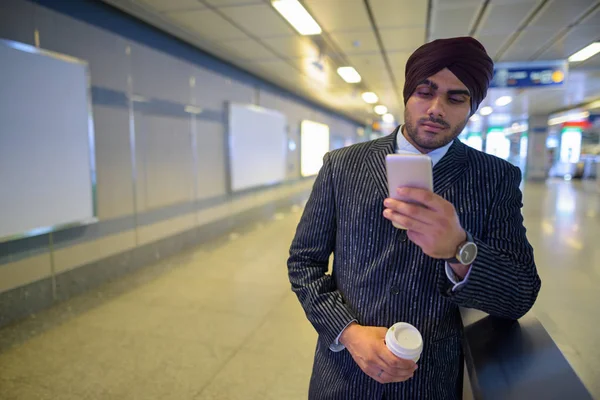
{"x": 431, "y": 141}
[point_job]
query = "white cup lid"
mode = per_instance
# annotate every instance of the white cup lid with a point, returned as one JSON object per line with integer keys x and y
{"x": 407, "y": 336}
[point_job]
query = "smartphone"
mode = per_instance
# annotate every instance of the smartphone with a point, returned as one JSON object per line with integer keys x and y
{"x": 408, "y": 170}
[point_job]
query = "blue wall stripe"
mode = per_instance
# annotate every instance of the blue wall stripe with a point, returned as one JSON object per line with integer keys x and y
{"x": 118, "y": 99}
{"x": 211, "y": 115}
{"x": 161, "y": 107}
{"x": 87, "y": 233}
{"x": 204, "y": 204}
{"x": 109, "y": 97}
{"x": 165, "y": 213}
{"x": 19, "y": 249}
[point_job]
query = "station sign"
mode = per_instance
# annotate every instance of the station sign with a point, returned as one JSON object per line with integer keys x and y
{"x": 531, "y": 74}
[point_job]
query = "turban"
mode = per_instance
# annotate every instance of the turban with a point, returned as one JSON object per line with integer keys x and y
{"x": 465, "y": 57}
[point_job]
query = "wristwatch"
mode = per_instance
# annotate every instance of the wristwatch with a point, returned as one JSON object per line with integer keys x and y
{"x": 465, "y": 253}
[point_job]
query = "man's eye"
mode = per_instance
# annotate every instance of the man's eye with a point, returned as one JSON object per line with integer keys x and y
{"x": 455, "y": 100}
{"x": 424, "y": 93}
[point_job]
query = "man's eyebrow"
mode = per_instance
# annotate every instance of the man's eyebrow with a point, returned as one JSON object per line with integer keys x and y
{"x": 452, "y": 92}
{"x": 456, "y": 91}
{"x": 427, "y": 82}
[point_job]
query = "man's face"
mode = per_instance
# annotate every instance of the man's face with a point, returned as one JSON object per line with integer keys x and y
{"x": 437, "y": 111}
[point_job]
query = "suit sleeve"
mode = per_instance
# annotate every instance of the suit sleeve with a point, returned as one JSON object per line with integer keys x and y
{"x": 309, "y": 259}
{"x": 503, "y": 280}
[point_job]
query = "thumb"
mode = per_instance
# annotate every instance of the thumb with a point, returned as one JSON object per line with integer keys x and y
{"x": 380, "y": 331}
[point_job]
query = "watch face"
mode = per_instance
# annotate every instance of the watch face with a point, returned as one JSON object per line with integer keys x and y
{"x": 468, "y": 253}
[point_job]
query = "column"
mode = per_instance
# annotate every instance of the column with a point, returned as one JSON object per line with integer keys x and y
{"x": 537, "y": 155}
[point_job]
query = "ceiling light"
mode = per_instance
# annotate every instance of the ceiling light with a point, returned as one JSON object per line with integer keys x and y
{"x": 573, "y": 117}
{"x": 381, "y": 109}
{"x": 297, "y": 16}
{"x": 474, "y": 118}
{"x": 516, "y": 128}
{"x": 592, "y": 105}
{"x": 370, "y": 97}
{"x": 586, "y": 53}
{"x": 349, "y": 74}
{"x": 503, "y": 101}
{"x": 486, "y": 110}
{"x": 388, "y": 118}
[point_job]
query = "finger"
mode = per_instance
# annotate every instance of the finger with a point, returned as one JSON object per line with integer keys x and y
{"x": 384, "y": 376}
{"x": 412, "y": 210}
{"x": 394, "y": 373}
{"x": 384, "y": 373}
{"x": 398, "y": 380}
{"x": 408, "y": 222}
{"x": 398, "y": 376}
{"x": 393, "y": 362}
{"x": 422, "y": 196}
{"x": 378, "y": 374}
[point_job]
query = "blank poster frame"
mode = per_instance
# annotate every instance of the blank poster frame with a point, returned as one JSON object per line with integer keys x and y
{"x": 245, "y": 153}
{"x": 314, "y": 143}
{"x": 93, "y": 218}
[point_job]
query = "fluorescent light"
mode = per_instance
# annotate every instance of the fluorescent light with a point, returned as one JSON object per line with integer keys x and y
{"x": 297, "y": 16}
{"x": 498, "y": 119}
{"x": 592, "y": 105}
{"x": 516, "y": 128}
{"x": 370, "y": 97}
{"x": 349, "y": 74}
{"x": 486, "y": 110}
{"x": 575, "y": 117}
{"x": 475, "y": 118}
{"x": 586, "y": 53}
{"x": 503, "y": 101}
{"x": 381, "y": 109}
{"x": 388, "y": 118}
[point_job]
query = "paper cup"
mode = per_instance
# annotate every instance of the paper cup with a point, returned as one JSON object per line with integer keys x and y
{"x": 405, "y": 341}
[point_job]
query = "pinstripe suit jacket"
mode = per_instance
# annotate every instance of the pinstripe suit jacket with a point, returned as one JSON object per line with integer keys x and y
{"x": 379, "y": 277}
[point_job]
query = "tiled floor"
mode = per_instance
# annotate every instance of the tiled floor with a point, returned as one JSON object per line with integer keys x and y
{"x": 220, "y": 322}
{"x": 563, "y": 221}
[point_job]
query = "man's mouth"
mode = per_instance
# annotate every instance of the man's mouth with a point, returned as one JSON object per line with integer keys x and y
{"x": 433, "y": 127}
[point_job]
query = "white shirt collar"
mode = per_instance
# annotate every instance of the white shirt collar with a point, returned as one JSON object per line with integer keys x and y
{"x": 404, "y": 146}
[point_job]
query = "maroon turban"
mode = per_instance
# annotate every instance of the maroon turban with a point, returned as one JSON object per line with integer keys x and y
{"x": 465, "y": 57}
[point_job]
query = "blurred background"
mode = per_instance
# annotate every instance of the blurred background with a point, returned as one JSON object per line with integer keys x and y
{"x": 155, "y": 156}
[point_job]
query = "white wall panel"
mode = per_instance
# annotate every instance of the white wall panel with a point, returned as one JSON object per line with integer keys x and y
{"x": 150, "y": 79}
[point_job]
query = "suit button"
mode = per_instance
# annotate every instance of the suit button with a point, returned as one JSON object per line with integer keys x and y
{"x": 403, "y": 237}
{"x": 394, "y": 290}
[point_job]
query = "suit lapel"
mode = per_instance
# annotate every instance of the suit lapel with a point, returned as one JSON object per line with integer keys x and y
{"x": 450, "y": 168}
{"x": 376, "y": 161}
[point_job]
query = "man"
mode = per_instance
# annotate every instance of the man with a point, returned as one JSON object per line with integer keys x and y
{"x": 383, "y": 275}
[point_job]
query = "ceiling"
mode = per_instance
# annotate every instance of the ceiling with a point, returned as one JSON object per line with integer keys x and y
{"x": 377, "y": 36}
